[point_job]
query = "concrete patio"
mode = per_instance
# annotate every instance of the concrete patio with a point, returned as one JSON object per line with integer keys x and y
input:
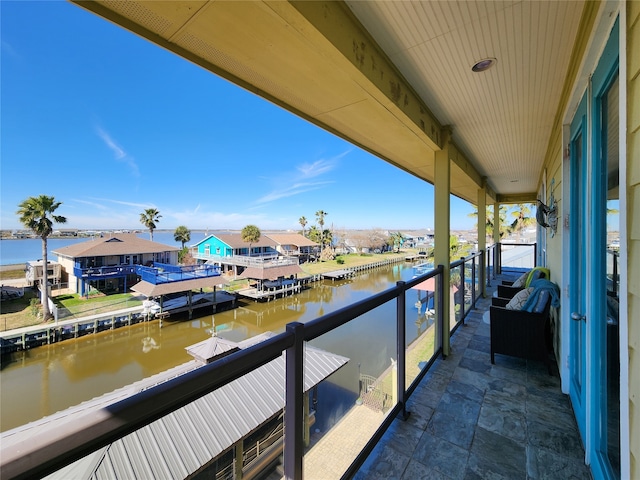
{"x": 474, "y": 420}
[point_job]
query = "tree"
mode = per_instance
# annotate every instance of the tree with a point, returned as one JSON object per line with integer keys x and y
{"x": 303, "y": 223}
{"x": 149, "y": 218}
{"x": 320, "y": 214}
{"x": 522, "y": 213}
{"x": 502, "y": 216}
{"x": 397, "y": 239}
{"x": 250, "y": 234}
{"x": 182, "y": 235}
{"x": 37, "y": 214}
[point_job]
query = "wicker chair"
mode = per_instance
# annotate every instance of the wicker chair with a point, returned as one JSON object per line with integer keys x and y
{"x": 507, "y": 290}
{"x": 522, "y": 334}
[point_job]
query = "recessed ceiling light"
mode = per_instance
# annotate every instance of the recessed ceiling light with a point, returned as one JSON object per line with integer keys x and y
{"x": 484, "y": 64}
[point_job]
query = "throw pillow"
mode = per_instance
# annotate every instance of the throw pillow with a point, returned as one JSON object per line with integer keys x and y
{"x": 519, "y": 299}
{"x": 520, "y": 282}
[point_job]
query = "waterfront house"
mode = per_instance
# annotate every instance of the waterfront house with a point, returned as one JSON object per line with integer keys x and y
{"x": 108, "y": 263}
{"x": 34, "y": 271}
{"x": 293, "y": 244}
{"x": 495, "y": 103}
{"x": 230, "y": 251}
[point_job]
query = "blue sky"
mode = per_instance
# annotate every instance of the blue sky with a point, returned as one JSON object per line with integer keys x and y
{"x": 110, "y": 125}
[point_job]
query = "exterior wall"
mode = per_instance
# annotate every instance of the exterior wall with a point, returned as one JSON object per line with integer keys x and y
{"x": 554, "y": 243}
{"x": 214, "y": 244}
{"x": 633, "y": 228}
{"x": 67, "y": 267}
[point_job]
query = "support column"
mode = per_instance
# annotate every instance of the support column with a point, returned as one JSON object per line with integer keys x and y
{"x": 238, "y": 457}
{"x": 496, "y": 236}
{"x": 442, "y": 251}
{"x": 482, "y": 236}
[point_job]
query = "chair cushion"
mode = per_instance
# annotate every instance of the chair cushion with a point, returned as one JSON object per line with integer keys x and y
{"x": 519, "y": 299}
{"x": 543, "y": 298}
{"x": 521, "y": 280}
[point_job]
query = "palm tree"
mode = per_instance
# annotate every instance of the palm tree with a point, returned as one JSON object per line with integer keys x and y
{"x": 522, "y": 220}
{"x": 149, "y": 218}
{"x": 320, "y": 214}
{"x": 502, "y": 214}
{"x": 303, "y": 223}
{"x": 37, "y": 214}
{"x": 250, "y": 234}
{"x": 398, "y": 239}
{"x": 182, "y": 235}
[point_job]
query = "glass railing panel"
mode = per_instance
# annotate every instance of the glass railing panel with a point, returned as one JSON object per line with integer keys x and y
{"x": 515, "y": 256}
{"x": 353, "y": 402}
{"x": 455, "y": 297}
{"x": 423, "y": 336}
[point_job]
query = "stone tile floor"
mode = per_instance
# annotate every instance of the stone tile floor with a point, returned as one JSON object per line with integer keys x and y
{"x": 474, "y": 420}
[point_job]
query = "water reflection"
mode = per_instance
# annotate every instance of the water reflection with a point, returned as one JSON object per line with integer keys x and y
{"x": 41, "y": 381}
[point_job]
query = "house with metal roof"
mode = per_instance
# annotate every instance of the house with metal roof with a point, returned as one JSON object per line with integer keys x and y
{"x": 202, "y": 437}
{"x": 293, "y": 244}
{"x": 108, "y": 263}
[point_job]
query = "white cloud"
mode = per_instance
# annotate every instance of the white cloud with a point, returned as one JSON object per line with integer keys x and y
{"x": 297, "y": 181}
{"x": 119, "y": 152}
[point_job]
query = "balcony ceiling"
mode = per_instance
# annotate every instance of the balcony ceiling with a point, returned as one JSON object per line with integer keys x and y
{"x": 387, "y": 76}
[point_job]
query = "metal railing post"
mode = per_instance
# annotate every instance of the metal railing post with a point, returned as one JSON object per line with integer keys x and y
{"x": 293, "y": 421}
{"x": 463, "y": 286}
{"x": 614, "y": 280}
{"x": 401, "y": 340}
{"x": 440, "y": 318}
{"x": 473, "y": 283}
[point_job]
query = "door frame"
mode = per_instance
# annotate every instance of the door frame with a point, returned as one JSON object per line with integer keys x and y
{"x": 579, "y": 266}
{"x": 605, "y": 48}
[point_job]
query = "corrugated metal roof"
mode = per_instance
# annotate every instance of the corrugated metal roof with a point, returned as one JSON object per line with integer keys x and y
{"x": 181, "y": 442}
{"x": 270, "y": 273}
{"x": 117, "y": 244}
{"x": 210, "y": 348}
{"x": 151, "y": 290}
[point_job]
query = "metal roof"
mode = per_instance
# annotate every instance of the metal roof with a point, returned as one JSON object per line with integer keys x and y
{"x": 181, "y": 442}
{"x": 270, "y": 273}
{"x": 151, "y": 290}
{"x": 292, "y": 239}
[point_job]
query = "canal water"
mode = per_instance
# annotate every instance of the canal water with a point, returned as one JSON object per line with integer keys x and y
{"x": 44, "y": 380}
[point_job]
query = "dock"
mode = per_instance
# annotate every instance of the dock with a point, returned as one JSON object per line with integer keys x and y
{"x": 338, "y": 274}
{"x": 271, "y": 292}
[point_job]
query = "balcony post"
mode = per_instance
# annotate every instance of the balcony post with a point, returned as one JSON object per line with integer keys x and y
{"x": 401, "y": 341}
{"x": 463, "y": 287}
{"x": 293, "y": 421}
{"x": 482, "y": 234}
{"x": 497, "y": 225}
{"x": 442, "y": 208}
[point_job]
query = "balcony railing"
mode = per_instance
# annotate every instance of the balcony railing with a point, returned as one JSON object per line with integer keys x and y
{"x": 102, "y": 272}
{"x": 518, "y": 255}
{"x": 164, "y": 273}
{"x": 55, "y": 448}
{"x": 262, "y": 261}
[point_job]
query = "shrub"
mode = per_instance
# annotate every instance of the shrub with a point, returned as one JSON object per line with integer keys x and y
{"x": 34, "y": 306}
{"x": 340, "y": 260}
